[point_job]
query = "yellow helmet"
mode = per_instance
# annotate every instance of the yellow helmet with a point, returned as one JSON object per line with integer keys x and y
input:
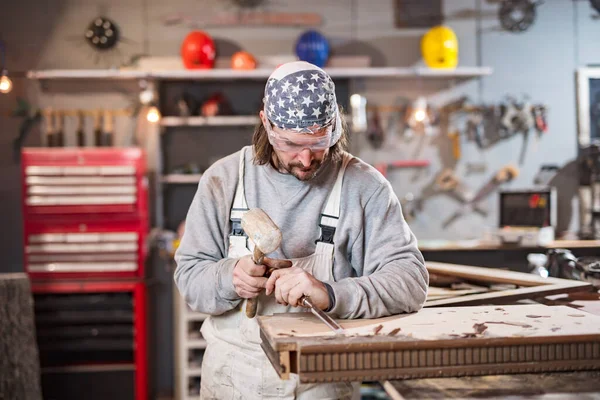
{"x": 439, "y": 47}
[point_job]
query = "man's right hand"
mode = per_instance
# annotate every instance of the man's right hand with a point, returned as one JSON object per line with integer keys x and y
{"x": 249, "y": 278}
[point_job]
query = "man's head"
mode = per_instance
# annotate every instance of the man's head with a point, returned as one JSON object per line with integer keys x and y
{"x": 301, "y": 125}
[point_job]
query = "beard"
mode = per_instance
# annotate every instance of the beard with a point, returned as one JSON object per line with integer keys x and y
{"x": 304, "y": 173}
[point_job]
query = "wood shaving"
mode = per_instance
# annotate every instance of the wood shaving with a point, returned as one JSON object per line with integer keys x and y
{"x": 499, "y": 309}
{"x": 508, "y": 323}
{"x": 377, "y": 329}
{"x": 576, "y": 315}
{"x": 394, "y": 331}
{"x": 480, "y": 328}
{"x": 537, "y": 316}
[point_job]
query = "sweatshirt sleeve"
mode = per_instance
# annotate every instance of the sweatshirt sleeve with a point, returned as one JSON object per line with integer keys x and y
{"x": 392, "y": 277}
{"x": 204, "y": 276}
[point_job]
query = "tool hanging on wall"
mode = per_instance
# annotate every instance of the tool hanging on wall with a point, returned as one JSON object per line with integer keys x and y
{"x": 517, "y": 15}
{"x": 385, "y": 166}
{"x": 52, "y": 139}
{"x": 375, "y": 133}
{"x": 504, "y": 175}
{"x": 420, "y": 117}
{"x": 107, "y": 129}
{"x": 97, "y": 128}
{"x": 448, "y": 182}
{"x": 80, "y": 129}
{"x": 59, "y": 133}
{"x": 539, "y": 115}
{"x": 517, "y": 118}
{"x": 454, "y": 137}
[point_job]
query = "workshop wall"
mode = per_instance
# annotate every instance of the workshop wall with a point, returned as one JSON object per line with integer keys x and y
{"x": 540, "y": 63}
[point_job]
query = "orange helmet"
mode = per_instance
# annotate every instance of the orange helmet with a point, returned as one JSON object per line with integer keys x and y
{"x": 243, "y": 60}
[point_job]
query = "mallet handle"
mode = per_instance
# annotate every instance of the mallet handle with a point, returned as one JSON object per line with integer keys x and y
{"x": 252, "y": 304}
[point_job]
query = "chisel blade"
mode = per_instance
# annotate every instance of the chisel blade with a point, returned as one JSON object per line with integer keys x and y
{"x": 326, "y": 319}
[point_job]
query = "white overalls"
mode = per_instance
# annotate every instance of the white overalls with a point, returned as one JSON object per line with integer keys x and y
{"x": 234, "y": 365}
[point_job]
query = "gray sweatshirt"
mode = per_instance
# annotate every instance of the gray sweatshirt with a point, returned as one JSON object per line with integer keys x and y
{"x": 378, "y": 269}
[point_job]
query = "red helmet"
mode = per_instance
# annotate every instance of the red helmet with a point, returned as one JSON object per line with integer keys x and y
{"x": 198, "y": 51}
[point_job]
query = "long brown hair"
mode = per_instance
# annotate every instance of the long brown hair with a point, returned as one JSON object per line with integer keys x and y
{"x": 263, "y": 149}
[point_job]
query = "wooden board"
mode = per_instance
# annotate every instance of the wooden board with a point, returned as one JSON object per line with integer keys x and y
{"x": 558, "y": 385}
{"x": 466, "y": 245}
{"x": 529, "y": 286}
{"x": 434, "y": 342}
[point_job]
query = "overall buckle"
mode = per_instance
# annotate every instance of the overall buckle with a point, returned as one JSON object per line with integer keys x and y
{"x": 327, "y": 233}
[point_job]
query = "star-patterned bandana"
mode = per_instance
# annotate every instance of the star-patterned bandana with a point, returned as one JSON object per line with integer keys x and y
{"x": 300, "y": 96}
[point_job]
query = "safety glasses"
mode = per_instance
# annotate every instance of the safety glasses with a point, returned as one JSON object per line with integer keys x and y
{"x": 294, "y": 141}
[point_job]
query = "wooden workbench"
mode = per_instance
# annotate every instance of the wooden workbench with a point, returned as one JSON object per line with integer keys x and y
{"x": 555, "y": 385}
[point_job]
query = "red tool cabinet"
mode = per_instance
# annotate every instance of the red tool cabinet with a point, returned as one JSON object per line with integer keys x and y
{"x": 85, "y": 213}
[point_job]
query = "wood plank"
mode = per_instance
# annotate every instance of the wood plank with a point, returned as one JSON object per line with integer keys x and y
{"x": 563, "y": 385}
{"x": 475, "y": 245}
{"x": 534, "y": 286}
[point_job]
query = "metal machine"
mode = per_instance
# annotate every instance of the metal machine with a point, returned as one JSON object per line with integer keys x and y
{"x": 589, "y": 191}
{"x": 527, "y": 217}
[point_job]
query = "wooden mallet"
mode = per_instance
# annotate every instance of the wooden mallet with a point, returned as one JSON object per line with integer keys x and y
{"x": 266, "y": 237}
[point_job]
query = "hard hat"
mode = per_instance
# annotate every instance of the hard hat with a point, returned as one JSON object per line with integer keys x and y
{"x": 439, "y": 47}
{"x": 198, "y": 51}
{"x": 243, "y": 60}
{"x": 313, "y": 47}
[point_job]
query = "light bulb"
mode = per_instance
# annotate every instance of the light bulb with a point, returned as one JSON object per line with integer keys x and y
{"x": 420, "y": 115}
{"x": 420, "y": 109}
{"x": 153, "y": 115}
{"x": 358, "y": 105}
{"x": 5, "y": 84}
{"x": 146, "y": 96}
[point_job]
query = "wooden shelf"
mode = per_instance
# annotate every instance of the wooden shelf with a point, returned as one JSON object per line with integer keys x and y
{"x": 194, "y": 316}
{"x": 196, "y": 343}
{"x": 181, "y": 178}
{"x": 262, "y": 73}
{"x": 194, "y": 371}
{"x": 234, "y": 120}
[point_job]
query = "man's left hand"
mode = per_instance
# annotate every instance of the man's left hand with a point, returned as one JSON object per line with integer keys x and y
{"x": 290, "y": 284}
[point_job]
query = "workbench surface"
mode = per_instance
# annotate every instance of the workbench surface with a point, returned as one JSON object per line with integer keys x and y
{"x": 555, "y": 385}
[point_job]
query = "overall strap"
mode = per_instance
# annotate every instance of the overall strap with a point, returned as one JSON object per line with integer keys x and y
{"x": 239, "y": 201}
{"x": 331, "y": 213}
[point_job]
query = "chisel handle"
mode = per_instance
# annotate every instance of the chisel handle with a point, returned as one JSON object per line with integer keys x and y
{"x": 252, "y": 304}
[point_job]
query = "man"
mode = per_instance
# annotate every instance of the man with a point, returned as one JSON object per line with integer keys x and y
{"x": 352, "y": 252}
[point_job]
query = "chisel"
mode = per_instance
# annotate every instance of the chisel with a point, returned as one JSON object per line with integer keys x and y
{"x": 326, "y": 319}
